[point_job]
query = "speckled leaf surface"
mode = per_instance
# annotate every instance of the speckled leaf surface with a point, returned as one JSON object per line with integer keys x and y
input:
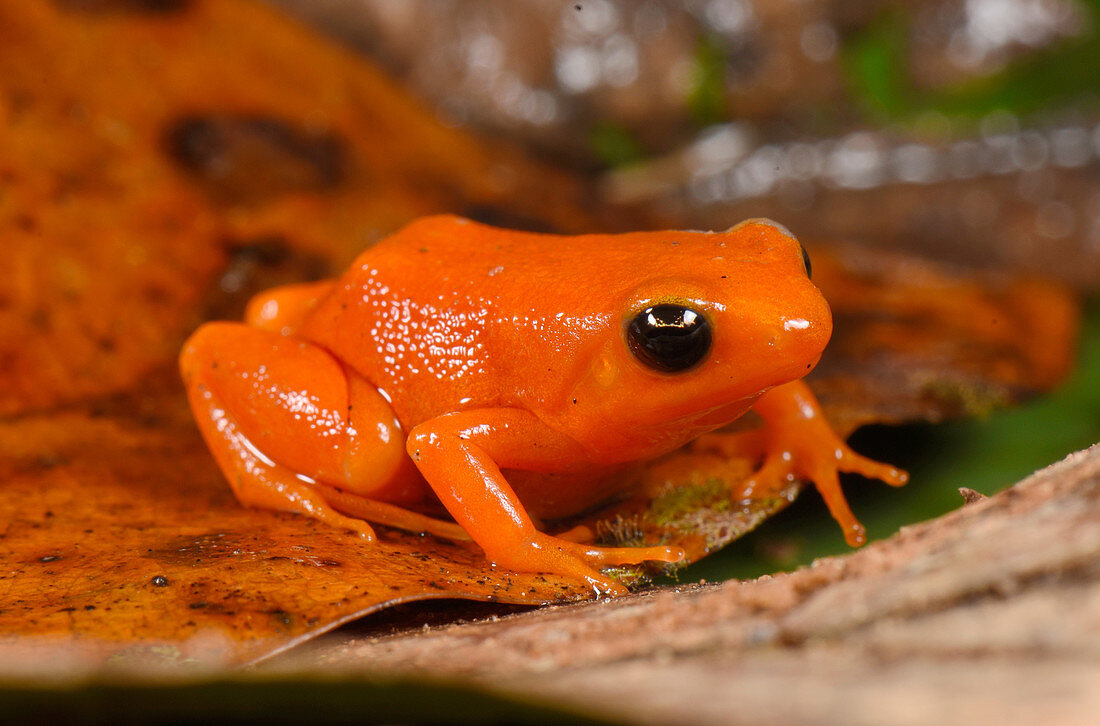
{"x": 121, "y": 534}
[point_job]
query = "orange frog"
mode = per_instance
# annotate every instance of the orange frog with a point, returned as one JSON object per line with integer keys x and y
{"x": 512, "y": 375}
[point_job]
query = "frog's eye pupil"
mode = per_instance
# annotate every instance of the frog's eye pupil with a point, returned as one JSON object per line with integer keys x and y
{"x": 806, "y": 262}
{"x": 669, "y": 338}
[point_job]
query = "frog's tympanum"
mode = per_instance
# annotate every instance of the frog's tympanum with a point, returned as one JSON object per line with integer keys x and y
{"x": 512, "y": 375}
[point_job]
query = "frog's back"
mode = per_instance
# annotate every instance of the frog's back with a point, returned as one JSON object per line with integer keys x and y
{"x": 448, "y": 314}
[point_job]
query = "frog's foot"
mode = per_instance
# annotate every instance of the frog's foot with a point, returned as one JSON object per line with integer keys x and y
{"x": 821, "y": 462}
{"x": 282, "y": 309}
{"x": 265, "y": 485}
{"x": 553, "y": 554}
{"x": 461, "y": 455}
{"x": 259, "y": 482}
{"x": 798, "y": 443}
{"x": 809, "y": 451}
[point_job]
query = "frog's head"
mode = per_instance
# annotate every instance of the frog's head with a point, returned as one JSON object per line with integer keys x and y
{"x": 724, "y": 317}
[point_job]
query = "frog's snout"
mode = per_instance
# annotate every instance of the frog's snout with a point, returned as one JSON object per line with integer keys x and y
{"x": 803, "y": 334}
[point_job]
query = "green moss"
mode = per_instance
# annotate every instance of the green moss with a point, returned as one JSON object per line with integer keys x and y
{"x": 875, "y": 62}
{"x": 675, "y": 507}
{"x": 633, "y": 576}
{"x": 614, "y": 145}
{"x": 707, "y": 94}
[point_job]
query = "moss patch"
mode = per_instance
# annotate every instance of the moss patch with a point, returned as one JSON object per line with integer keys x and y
{"x": 674, "y": 507}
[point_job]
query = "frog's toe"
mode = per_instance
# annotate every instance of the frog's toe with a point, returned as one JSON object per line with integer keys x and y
{"x": 855, "y": 463}
{"x": 335, "y": 519}
{"x": 562, "y": 560}
{"x": 775, "y": 474}
{"x": 611, "y": 556}
{"x": 824, "y": 475}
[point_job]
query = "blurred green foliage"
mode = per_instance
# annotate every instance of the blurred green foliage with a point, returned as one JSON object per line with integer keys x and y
{"x": 707, "y": 93}
{"x": 614, "y": 145}
{"x": 875, "y": 62}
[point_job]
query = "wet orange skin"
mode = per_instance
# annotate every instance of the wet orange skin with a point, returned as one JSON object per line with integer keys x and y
{"x": 452, "y": 351}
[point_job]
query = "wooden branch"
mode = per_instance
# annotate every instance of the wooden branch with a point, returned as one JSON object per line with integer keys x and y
{"x": 990, "y": 614}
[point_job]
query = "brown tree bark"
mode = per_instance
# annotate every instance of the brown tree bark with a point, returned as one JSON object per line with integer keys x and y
{"x": 990, "y": 614}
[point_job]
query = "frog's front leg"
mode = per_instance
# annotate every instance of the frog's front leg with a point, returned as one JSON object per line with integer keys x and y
{"x": 283, "y": 419}
{"x": 797, "y": 442}
{"x": 461, "y": 456}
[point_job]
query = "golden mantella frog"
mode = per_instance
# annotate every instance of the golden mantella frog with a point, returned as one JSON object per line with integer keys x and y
{"x": 510, "y": 375}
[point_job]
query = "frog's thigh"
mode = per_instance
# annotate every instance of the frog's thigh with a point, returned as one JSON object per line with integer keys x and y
{"x": 293, "y": 408}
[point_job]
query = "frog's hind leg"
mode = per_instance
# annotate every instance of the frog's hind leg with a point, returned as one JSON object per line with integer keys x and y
{"x": 284, "y": 419}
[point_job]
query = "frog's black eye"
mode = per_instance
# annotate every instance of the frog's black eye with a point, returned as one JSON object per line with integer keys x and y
{"x": 669, "y": 338}
{"x": 806, "y": 262}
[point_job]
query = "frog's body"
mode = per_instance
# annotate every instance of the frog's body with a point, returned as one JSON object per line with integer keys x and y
{"x": 477, "y": 349}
